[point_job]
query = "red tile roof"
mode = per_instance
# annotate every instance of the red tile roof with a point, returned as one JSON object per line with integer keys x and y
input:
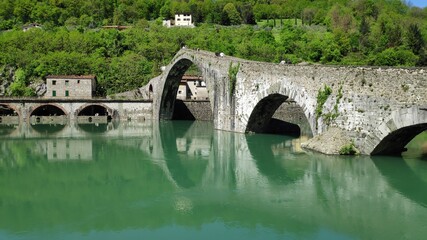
{"x": 191, "y": 77}
{"x": 71, "y": 76}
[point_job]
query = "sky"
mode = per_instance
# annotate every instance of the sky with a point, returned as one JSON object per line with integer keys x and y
{"x": 419, "y": 3}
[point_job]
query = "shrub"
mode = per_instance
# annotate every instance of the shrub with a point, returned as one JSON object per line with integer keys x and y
{"x": 349, "y": 149}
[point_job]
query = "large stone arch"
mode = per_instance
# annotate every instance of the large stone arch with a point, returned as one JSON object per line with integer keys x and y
{"x": 269, "y": 100}
{"x": 395, "y": 132}
{"x": 170, "y": 83}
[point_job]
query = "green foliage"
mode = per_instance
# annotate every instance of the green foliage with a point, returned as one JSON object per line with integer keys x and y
{"x": 394, "y": 57}
{"x": 230, "y": 15}
{"x": 329, "y": 117}
{"x": 364, "y": 32}
{"x": 232, "y": 75}
{"x": 415, "y": 39}
{"x": 322, "y": 96}
{"x": 19, "y": 85}
{"x": 349, "y": 149}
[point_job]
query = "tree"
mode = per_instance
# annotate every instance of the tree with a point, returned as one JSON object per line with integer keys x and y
{"x": 230, "y": 12}
{"x": 23, "y": 10}
{"x": 414, "y": 39}
{"x": 364, "y": 31}
{"x": 394, "y": 57}
{"x": 247, "y": 13}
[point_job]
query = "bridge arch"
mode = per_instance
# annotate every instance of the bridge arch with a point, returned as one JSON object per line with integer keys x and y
{"x": 263, "y": 112}
{"x": 48, "y": 110}
{"x": 169, "y": 88}
{"x": 267, "y": 103}
{"x": 8, "y": 110}
{"x": 397, "y": 131}
{"x": 48, "y": 113}
{"x": 9, "y": 113}
{"x": 97, "y": 109}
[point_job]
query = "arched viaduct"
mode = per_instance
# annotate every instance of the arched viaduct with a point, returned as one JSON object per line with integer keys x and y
{"x": 62, "y": 110}
{"x": 378, "y": 109}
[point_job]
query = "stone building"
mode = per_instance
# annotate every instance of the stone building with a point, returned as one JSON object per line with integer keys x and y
{"x": 192, "y": 87}
{"x": 181, "y": 20}
{"x": 70, "y": 86}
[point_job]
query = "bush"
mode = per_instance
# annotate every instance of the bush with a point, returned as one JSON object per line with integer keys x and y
{"x": 394, "y": 57}
{"x": 349, "y": 149}
{"x": 322, "y": 96}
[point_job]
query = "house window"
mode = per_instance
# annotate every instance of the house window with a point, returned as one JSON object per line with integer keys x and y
{"x": 67, "y": 82}
{"x": 53, "y": 93}
{"x": 67, "y": 93}
{"x": 53, "y": 82}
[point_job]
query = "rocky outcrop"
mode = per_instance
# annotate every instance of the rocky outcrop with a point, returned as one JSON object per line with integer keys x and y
{"x": 40, "y": 89}
{"x": 7, "y": 74}
{"x": 330, "y": 142}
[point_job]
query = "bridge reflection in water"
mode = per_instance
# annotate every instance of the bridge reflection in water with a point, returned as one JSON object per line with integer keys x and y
{"x": 186, "y": 179}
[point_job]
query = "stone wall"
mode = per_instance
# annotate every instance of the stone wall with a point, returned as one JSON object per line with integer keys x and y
{"x": 290, "y": 112}
{"x": 193, "y": 110}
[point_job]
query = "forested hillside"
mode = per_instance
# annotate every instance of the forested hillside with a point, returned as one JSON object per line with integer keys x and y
{"x": 72, "y": 40}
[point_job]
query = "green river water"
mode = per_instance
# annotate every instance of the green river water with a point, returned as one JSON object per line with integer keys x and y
{"x": 184, "y": 180}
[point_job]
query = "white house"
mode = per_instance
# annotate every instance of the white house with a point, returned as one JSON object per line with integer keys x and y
{"x": 181, "y": 20}
{"x": 30, "y": 26}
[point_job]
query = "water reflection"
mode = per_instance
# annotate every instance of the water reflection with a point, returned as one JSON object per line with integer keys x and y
{"x": 186, "y": 179}
{"x": 407, "y": 176}
{"x": 275, "y": 157}
{"x": 94, "y": 128}
{"x": 47, "y": 129}
{"x": 7, "y": 129}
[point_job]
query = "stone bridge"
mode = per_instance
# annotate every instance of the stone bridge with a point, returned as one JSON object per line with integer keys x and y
{"x": 379, "y": 110}
{"x": 63, "y": 110}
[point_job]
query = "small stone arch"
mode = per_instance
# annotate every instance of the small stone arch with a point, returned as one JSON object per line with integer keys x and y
{"x": 150, "y": 91}
{"x": 393, "y": 134}
{"x": 48, "y": 113}
{"x": 97, "y": 109}
{"x": 8, "y": 110}
{"x": 48, "y": 110}
{"x": 9, "y": 114}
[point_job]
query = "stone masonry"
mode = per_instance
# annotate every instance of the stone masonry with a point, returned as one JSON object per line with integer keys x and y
{"x": 373, "y": 107}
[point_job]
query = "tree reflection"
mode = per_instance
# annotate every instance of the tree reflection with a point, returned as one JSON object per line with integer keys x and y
{"x": 403, "y": 178}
